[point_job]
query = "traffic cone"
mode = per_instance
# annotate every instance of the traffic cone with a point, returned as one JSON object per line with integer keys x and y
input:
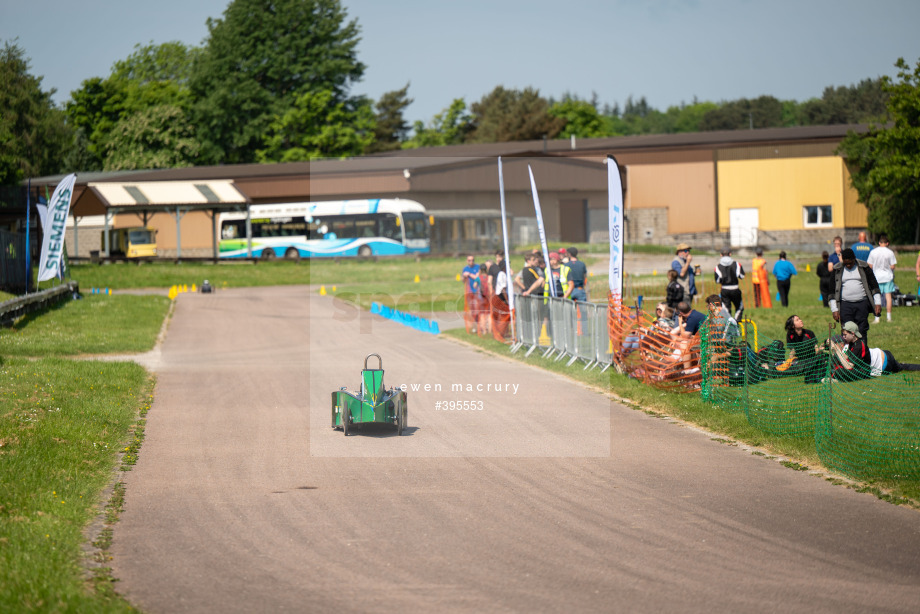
{"x": 416, "y": 279}
{"x": 322, "y": 290}
{"x": 544, "y": 337}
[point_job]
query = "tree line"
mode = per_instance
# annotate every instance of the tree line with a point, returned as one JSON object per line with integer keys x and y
{"x": 272, "y": 83}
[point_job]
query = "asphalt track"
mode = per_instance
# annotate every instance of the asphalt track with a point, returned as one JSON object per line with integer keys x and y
{"x": 551, "y": 499}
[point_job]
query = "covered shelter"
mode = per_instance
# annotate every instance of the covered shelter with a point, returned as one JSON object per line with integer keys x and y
{"x": 145, "y": 198}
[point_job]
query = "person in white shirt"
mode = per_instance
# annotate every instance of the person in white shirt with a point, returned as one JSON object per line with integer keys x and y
{"x": 882, "y": 260}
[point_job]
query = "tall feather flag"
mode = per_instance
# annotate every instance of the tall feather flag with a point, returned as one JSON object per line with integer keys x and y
{"x": 50, "y": 263}
{"x": 501, "y": 190}
{"x": 615, "y": 203}
{"x": 539, "y": 212}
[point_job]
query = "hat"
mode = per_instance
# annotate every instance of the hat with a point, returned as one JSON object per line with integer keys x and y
{"x": 682, "y": 246}
{"x": 561, "y": 250}
{"x": 848, "y": 254}
{"x": 851, "y": 326}
{"x": 554, "y": 255}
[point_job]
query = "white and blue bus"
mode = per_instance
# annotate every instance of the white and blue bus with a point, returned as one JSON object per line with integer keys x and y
{"x": 326, "y": 229}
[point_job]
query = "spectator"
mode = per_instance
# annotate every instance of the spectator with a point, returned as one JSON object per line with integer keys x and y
{"x": 855, "y": 360}
{"x": 471, "y": 293}
{"x": 686, "y": 275}
{"x": 728, "y": 273}
{"x": 855, "y": 290}
{"x": 825, "y": 278}
{"x": 835, "y": 257}
{"x": 689, "y": 319}
{"x": 797, "y": 336}
{"x": 783, "y": 270}
{"x": 499, "y": 265}
{"x": 532, "y": 280}
{"x": 675, "y": 293}
{"x": 500, "y": 309}
{"x": 761, "y": 280}
{"x": 723, "y": 327}
{"x": 563, "y": 256}
{"x": 862, "y": 248}
{"x": 882, "y": 262}
{"x": 555, "y": 275}
{"x": 665, "y": 317}
{"x": 577, "y": 277}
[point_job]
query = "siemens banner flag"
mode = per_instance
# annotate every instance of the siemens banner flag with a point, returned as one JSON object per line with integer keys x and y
{"x": 615, "y": 201}
{"x": 49, "y": 265}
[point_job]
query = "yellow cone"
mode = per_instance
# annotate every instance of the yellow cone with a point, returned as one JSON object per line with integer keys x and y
{"x": 655, "y": 272}
{"x": 416, "y": 279}
{"x": 544, "y": 338}
{"x": 172, "y": 293}
{"x": 458, "y": 276}
{"x": 333, "y": 288}
{"x": 194, "y": 289}
{"x": 322, "y": 290}
{"x": 808, "y": 268}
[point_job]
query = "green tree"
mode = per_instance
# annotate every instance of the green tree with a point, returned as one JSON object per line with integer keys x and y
{"x": 319, "y": 127}
{"x": 150, "y": 83}
{"x": 33, "y": 133}
{"x": 884, "y": 162}
{"x": 855, "y": 104}
{"x": 449, "y": 127}
{"x": 259, "y": 59}
{"x": 391, "y": 129}
{"x": 582, "y": 119}
{"x": 762, "y": 112}
{"x": 513, "y": 115}
{"x": 155, "y": 137}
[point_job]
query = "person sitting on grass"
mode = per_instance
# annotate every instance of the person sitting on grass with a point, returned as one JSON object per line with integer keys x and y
{"x": 854, "y": 360}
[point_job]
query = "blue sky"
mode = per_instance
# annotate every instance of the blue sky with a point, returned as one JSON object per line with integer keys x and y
{"x": 669, "y": 51}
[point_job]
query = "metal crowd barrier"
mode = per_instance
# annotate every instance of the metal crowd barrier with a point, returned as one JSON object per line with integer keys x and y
{"x": 563, "y": 328}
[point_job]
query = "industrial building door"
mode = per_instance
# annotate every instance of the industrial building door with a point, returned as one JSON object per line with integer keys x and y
{"x": 572, "y": 218}
{"x": 743, "y": 224}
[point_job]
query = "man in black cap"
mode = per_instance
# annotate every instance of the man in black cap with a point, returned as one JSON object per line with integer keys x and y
{"x": 856, "y": 292}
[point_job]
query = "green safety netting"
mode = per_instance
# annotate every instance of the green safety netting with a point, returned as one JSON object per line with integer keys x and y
{"x": 865, "y": 424}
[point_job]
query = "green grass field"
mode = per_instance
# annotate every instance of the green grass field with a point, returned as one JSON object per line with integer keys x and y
{"x": 65, "y": 422}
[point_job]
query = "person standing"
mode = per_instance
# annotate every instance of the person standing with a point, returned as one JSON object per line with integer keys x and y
{"x": 728, "y": 273}
{"x": 760, "y": 280}
{"x": 531, "y": 278}
{"x": 882, "y": 261}
{"x": 855, "y": 291}
{"x": 834, "y": 258}
{"x": 494, "y": 268}
{"x": 577, "y": 277}
{"x": 825, "y": 278}
{"x": 862, "y": 248}
{"x": 783, "y": 270}
{"x": 686, "y": 275}
{"x": 674, "y": 292}
{"x": 470, "y": 277}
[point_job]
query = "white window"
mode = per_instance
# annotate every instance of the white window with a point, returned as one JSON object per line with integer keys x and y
{"x": 817, "y": 215}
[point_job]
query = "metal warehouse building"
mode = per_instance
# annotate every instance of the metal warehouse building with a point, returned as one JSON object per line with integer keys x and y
{"x": 781, "y": 187}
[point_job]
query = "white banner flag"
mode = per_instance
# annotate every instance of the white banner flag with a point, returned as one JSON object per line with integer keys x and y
{"x": 501, "y": 188}
{"x": 55, "y": 225}
{"x": 536, "y": 206}
{"x": 615, "y": 200}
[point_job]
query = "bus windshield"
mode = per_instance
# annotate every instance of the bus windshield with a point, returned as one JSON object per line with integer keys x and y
{"x": 140, "y": 236}
{"x": 416, "y": 225}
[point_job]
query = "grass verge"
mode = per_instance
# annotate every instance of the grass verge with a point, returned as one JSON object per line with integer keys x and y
{"x": 63, "y": 427}
{"x": 797, "y": 453}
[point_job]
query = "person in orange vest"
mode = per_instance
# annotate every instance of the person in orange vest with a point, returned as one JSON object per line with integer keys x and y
{"x": 760, "y": 280}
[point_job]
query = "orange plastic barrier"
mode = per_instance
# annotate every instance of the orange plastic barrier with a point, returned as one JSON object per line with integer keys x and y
{"x": 646, "y": 351}
{"x": 501, "y": 319}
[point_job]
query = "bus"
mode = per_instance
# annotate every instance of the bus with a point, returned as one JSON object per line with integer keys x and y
{"x": 326, "y": 229}
{"x": 131, "y": 242}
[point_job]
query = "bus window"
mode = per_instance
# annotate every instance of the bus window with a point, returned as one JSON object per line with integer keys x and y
{"x": 388, "y": 228}
{"x": 416, "y": 225}
{"x": 365, "y": 226}
{"x": 233, "y": 229}
{"x": 342, "y": 227}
